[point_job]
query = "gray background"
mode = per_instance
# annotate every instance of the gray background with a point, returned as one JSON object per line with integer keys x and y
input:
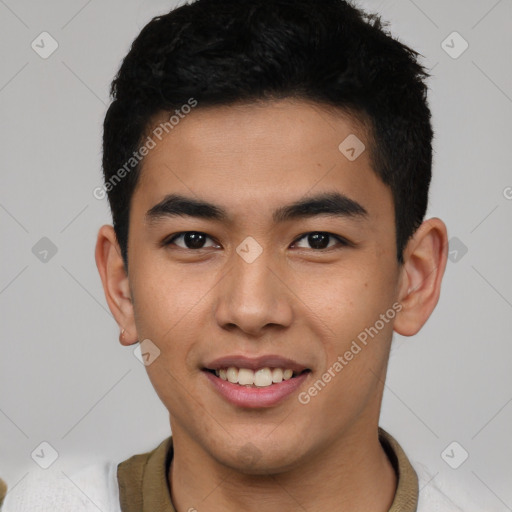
{"x": 64, "y": 377}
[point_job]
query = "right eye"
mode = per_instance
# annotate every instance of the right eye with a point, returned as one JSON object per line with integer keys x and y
{"x": 192, "y": 240}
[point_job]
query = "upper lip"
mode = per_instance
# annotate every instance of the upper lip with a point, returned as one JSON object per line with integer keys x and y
{"x": 255, "y": 363}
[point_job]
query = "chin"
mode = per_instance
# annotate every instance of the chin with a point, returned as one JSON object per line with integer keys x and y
{"x": 264, "y": 457}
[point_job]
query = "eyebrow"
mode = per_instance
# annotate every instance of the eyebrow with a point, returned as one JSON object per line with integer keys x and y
{"x": 333, "y": 204}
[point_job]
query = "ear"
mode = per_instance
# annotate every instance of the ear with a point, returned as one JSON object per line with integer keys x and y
{"x": 116, "y": 284}
{"x": 421, "y": 274}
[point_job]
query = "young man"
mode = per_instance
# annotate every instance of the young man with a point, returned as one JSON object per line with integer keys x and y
{"x": 267, "y": 165}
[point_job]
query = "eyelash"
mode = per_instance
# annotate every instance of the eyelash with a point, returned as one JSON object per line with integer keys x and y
{"x": 342, "y": 242}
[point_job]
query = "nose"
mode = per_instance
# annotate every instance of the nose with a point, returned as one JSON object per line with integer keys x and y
{"x": 253, "y": 296}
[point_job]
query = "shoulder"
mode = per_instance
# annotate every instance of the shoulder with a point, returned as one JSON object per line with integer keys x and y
{"x": 84, "y": 490}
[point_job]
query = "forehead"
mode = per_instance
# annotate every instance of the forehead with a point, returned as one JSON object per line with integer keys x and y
{"x": 284, "y": 127}
{"x": 256, "y": 155}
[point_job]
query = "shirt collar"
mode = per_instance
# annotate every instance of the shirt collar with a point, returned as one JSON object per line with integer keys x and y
{"x": 143, "y": 484}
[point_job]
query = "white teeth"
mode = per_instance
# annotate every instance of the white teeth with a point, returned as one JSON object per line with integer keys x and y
{"x": 277, "y": 375}
{"x": 232, "y": 374}
{"x": 263, "y": 378}
{"x": 245, "y": 377}
{"x": 260, "y": 378}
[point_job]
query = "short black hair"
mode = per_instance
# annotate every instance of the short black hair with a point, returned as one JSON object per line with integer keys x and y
{"x": 222, "y": 52}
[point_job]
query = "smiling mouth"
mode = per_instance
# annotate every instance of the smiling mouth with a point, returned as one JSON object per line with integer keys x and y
{"x": 261, "y": 378}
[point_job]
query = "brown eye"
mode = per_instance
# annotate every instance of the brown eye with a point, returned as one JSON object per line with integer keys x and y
{"x": 191, "y": 240}
{"x": 319, "y": 240}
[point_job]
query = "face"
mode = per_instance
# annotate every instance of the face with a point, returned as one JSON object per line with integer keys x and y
{"x": 249, "y": 281}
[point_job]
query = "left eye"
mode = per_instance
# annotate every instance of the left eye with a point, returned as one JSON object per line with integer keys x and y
{"x": 320, "y": 240}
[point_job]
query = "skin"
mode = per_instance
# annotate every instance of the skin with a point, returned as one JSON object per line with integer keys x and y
{"x": 294, "y": 300}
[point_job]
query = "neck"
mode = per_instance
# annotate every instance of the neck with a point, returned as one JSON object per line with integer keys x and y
{"x": 352, "y": 474}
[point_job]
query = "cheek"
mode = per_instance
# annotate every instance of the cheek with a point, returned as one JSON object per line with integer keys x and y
{"x": 357, "y": 352}
{"x": 158, "y": 310}
{"x": 167, "y": 306}
{"x": 352, "y": 299}
{"x": 165, "y": 299}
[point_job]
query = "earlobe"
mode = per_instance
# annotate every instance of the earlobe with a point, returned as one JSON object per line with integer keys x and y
{"x": 126, "y": 339}
{"x": 116, "y": 283}
{"x": 424, "y": 264}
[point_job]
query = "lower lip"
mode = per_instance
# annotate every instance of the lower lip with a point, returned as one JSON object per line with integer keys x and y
{"x": 253, "y": 398}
